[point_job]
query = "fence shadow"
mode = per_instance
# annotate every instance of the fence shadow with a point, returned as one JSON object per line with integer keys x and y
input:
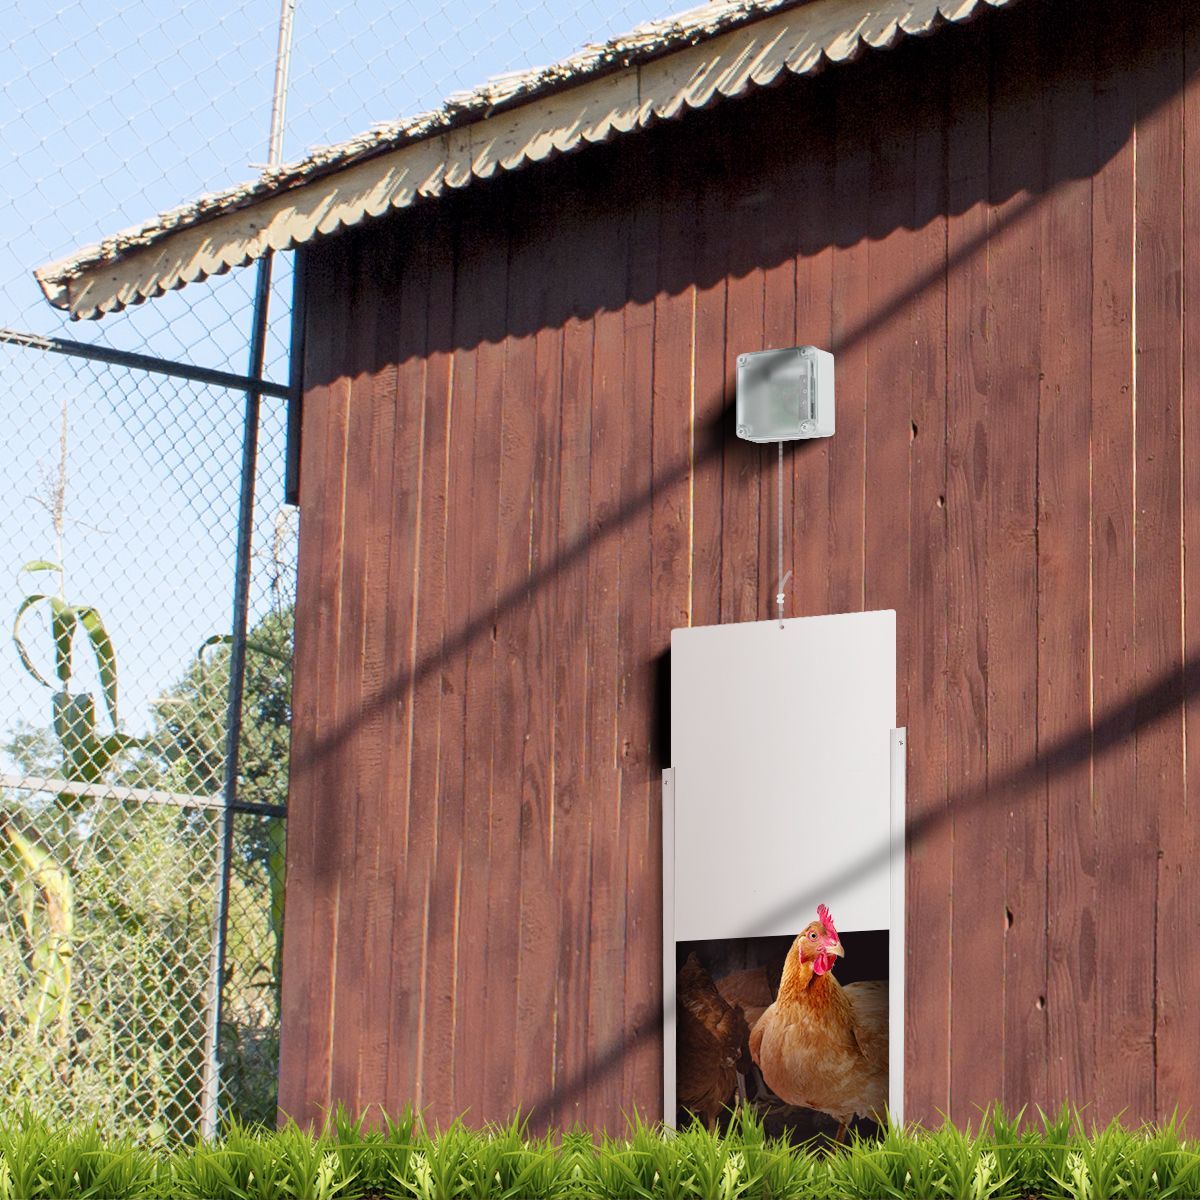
{"x": 1111, "y": 730}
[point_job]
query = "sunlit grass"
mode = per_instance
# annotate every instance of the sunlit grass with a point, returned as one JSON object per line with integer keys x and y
{"x": 999, "y": 1157}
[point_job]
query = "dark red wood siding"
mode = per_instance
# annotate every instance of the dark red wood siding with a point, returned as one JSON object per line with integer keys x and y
{"x": 519, "y": 474}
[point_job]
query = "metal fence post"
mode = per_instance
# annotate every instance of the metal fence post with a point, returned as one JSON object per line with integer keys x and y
{"x": 211, "y": 1080}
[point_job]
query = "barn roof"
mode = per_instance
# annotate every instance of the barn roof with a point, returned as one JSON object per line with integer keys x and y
{"x": 656, "y": 72}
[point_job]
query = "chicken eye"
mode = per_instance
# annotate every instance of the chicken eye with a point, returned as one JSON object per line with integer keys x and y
{"x": 812, "y": 936}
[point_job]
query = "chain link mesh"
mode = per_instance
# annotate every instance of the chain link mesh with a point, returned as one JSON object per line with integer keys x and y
{"x": 118, "y": 535}
{"x": 110, "y": 829}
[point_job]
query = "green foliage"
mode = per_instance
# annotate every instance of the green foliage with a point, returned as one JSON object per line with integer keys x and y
{"x": 107, "y": 900}
{"x": 123, "y": 896}
{"x": 32, "y": 748}
{"x": 404, "y": 1160}
{"x": 39, "y": 1161}
{"x": 189, "y": 725}
{"x": 141, "y": 892}
{"x": 105, "y": 913}
{"x": 42, "y": 886}
{"x": 188, "y": 746}
{"x": 65, "y": 621}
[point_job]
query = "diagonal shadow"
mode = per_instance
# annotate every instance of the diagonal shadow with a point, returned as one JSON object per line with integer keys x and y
{"x": 711, "y": 440}
{"x": 1031, "y": 175}
{"x": 1140, "y": 712}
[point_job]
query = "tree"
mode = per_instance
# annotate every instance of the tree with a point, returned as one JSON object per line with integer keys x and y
{"x": 189, "y": 738}
{"x": 189, "y": 723}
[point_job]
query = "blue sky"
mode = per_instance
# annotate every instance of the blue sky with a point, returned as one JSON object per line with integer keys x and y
{"x": 109, "y": 113}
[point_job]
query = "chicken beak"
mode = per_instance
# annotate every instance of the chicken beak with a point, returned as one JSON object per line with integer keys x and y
{"x": 836, "y": 950}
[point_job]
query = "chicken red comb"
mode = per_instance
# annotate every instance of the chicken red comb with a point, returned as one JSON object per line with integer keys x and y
{"x": 826, "y": 919}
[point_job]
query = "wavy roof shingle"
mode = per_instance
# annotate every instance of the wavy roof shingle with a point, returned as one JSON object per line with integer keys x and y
{"x": 656, "y": 72}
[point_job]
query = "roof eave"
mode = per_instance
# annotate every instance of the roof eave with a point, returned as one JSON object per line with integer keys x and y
{"x": 613, "y": 92}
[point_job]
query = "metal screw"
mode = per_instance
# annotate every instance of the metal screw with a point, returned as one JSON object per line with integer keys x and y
{"x": 743, "y": 430}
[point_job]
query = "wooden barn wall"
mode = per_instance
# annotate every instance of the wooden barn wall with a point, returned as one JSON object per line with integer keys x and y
{"x": 519, "y": 474}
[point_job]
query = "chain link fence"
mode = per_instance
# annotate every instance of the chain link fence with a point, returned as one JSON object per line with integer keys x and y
{"x": 114, "y": 757}
{"x": 131, "y": 994}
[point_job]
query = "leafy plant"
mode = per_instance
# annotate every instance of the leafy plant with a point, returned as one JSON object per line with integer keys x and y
{"x": 143, "y": 882}
{"x": 39, "y": 1161}
{"x": 43, "y": 886}
{"x": 86, "y": 751}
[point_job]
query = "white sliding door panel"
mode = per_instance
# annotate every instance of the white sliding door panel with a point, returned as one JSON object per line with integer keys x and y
{"x": 782, "y": 772}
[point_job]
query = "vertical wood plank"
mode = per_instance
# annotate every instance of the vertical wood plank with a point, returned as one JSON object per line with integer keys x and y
{"x": 1063, "y": 573}
{"x": 1179, "y": 906}
{"x": 710, "y": 416}
{"x": 539, "y": 908}
{"x": 461, "y": 813}
{"x": 780, "y": 222}
{"x": 327, "y": 770}
{"x": 978, "y": 829}
{"x": 929, "y": 899}
{"x": 362, "y": 747}
{"x": 510, "y": 704}
{"x": 309, "y": 929}
{"x": 674, "y": 349}
{"x": 379, "y": 773}
{"x": 671, "y": 442}
{"x": 572, "y": 692}
{"x": 407, "y": 825}
{"x": 851, "y": 312}
{"x": 1158, "y": 531}
{"x": 742, "y": 599}
{"x": 1016, "y": 777}
{"x": 605, "y": 946}
{"x": 1179, "y": 903}
{"x": 1126, "y": 846}
{"x": 887, "y": 437}
{"x": 639, "y": 834}
{"x": 431, "y": 910}
{"x": 357, "y": 791}
{"x": 486, "y": 251}
{"x": 811, "y": 545}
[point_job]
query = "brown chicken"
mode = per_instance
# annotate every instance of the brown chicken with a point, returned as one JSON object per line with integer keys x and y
{"x": 821, "y": 1045}
{"x": 748, "y": 989}
{"x": 712, "y": 1045}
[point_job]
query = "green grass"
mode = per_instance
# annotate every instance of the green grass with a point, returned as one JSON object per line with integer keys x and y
{"x": 997, "y": 1158}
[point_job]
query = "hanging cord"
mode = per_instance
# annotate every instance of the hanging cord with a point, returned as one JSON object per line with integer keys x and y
{"x": 779, "y": 532}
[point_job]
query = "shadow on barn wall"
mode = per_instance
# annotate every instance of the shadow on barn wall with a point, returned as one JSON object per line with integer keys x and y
{"x": 583, "y": 186}
{"x": 1110, "y": 730}
{"x": 744, "y": 159}
{"x": 971, "y": 139}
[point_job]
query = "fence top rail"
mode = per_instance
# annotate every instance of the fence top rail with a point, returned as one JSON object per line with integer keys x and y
{"x": 145, "y": 362}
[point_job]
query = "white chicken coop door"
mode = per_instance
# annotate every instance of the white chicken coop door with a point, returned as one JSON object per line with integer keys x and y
{"x": 786, "y": 791}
